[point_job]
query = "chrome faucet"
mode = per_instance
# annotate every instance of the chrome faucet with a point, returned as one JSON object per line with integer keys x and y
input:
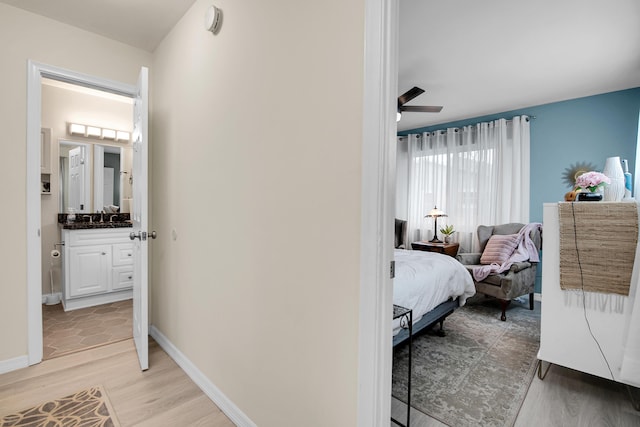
{"x": 111, "y": 217}
{"x": 88, "y": 216}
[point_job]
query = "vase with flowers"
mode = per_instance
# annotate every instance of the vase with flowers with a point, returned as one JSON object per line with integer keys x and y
{"x": 590, "y": 185}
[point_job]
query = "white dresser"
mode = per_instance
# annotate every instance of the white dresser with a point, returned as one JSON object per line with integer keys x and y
{"x": 565, "y": 338}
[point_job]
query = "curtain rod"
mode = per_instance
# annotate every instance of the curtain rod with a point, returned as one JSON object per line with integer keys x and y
{"x": 528, "y": 118}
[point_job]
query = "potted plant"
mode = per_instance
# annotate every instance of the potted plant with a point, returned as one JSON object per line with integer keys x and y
{"x": 447, "y": 232}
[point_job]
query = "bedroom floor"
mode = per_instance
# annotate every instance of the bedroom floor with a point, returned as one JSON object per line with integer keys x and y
{"x": 566, "y": 398}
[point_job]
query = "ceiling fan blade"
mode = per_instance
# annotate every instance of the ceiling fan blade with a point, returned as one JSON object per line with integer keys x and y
{"x": 409, "y": 95}
{"x": 422, "y": 109}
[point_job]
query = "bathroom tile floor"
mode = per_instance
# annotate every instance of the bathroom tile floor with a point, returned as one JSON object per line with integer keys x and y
{"x": 72, "y": 331}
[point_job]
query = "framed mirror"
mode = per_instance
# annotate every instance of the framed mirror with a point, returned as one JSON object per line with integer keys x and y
{"x": 93, "y": 176}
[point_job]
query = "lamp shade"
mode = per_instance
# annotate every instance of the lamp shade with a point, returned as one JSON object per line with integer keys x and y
{"x": 435, "y": 213}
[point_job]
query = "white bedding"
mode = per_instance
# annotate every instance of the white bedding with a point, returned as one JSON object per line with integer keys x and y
{"x": 426, "y": 279}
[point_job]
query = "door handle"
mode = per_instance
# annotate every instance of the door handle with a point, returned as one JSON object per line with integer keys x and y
{"x": 142, "y": 235}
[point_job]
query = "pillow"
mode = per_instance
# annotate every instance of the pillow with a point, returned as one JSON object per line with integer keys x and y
{"x": 499, "y": 249}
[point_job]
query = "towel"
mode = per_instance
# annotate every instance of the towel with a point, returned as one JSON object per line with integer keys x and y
{"x": 525, "y": 251}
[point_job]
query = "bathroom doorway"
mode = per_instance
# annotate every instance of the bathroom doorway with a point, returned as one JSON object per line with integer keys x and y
{"x": 39, "y": 226}
{"x": 87, "y": 173}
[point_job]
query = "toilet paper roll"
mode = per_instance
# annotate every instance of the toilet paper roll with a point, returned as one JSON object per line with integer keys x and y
{"x": 55, "y": 254}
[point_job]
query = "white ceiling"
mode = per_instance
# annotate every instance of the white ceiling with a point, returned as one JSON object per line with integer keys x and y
{"x": 139, "y": 23}
{"x": 484, "y": 57}
{"x": 472, "y": 57}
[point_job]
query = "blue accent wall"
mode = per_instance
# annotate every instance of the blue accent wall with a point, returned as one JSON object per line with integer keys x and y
{"x": 563, "y": 133}
{"x": 588, "y": 129}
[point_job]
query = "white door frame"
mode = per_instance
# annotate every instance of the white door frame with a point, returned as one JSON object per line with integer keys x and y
{"x": 378, "y": 211}
{"x": 35, "y": 72}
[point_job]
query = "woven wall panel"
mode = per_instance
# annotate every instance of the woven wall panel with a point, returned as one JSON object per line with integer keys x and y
{"x": 607, "y": 236}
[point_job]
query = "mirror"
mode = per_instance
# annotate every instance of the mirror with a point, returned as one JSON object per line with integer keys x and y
{"x": 94, "y": 176}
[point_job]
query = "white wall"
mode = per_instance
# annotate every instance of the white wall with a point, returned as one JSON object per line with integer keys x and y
{"x": 27, "y": 36}
{"x": 60, "y": 106}
{"x": 256, "y": 161}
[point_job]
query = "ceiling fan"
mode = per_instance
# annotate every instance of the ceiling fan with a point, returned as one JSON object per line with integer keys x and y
{"x": 408, "y": 96}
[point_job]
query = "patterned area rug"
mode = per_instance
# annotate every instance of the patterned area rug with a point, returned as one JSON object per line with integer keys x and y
{"x": 477, "y": 375}
{"x": 87, "y": 408}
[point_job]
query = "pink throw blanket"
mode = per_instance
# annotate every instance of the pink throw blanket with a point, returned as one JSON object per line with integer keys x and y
{"x": 525, "y": 251}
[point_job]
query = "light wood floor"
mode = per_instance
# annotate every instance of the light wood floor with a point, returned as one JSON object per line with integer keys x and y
{"x": 165, "y": 396}
{"x": 565, "y": 398}
{"x": 160, "y": 396}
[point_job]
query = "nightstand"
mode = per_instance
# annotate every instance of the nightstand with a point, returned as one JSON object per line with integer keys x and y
{"x": 450, "y": 249}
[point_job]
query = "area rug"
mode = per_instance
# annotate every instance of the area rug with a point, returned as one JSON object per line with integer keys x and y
{"x": 480, "y": 372}
{"x": 87, "y": 408}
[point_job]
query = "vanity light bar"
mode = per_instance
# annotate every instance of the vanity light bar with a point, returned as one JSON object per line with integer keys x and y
{"x": 93, "y": 131}
{"x": 123, "y": 136}
{"x": 76, "y": 129}
{"x": 98, "y": 132}
{"x": 108, "y": 134}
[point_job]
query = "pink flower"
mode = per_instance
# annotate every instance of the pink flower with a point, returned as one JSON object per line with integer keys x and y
{"x": 591, "y": 181}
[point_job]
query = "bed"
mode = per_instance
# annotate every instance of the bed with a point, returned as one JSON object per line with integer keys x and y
{"x": 432, "y": 285}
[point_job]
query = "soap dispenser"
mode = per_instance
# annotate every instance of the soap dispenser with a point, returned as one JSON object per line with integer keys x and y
{"x": 71, "y": 215}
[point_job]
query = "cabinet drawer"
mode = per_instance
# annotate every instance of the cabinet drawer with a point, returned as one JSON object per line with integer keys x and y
{"x": 122, "y": 254}
{"x": 122, "y": 278}
{"x": 95, "y": 236}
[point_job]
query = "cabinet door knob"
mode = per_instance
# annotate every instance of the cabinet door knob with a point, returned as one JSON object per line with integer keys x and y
{"x": 130, "y": 277}
{"x": 104, "y": 253}
{"x": 129, "y": 254}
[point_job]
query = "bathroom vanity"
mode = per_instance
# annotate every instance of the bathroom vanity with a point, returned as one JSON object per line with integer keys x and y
{"x": 97, "y": 266}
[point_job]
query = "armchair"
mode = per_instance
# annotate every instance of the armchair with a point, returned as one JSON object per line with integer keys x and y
{"x": 517, "y": 281}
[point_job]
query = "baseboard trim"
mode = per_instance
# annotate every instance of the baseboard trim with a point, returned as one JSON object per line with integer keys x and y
{"x": 13, "y": 364}
{"x": 223, "y": 402}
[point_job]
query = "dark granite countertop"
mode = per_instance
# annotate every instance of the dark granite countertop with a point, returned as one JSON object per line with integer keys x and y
{"x": 94, "y": 225}
{"x": 82, "y": 221}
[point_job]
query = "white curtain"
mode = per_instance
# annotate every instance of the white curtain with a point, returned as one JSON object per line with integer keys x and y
{"x": 477, "y": 175}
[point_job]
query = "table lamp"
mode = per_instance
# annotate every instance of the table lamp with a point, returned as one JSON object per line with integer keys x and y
{"x": 435, "y": 213}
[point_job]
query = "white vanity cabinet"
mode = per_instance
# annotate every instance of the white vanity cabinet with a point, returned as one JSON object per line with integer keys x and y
{"x": 97, "y": 267}
{"x": 89, "y": 270}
